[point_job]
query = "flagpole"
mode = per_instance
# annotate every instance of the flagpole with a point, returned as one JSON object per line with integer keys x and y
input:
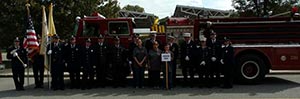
{"x": 50, "y": 46}
{"x": 28, "y": 13}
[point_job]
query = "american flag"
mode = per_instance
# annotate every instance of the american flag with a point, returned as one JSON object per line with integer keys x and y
{"x": 30, "y": 41}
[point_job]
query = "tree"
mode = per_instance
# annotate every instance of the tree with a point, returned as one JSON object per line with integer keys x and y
{"x": 252, "y": 8}
{"x": 13, "y": 15}
{"x": 135, "y": 8}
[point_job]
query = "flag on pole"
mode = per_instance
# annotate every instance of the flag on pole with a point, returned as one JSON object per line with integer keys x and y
{"x": 30, "y": 41}
{"x": 45, "y": 41}
{"x": 51, "y": 26}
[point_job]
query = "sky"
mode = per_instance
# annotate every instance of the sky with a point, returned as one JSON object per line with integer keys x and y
{"x": 163, "y": 8}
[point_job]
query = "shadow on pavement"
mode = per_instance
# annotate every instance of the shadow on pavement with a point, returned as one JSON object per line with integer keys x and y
{"x": 269, "y": 85}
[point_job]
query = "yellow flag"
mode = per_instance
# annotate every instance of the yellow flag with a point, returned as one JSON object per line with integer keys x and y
{"x": 51, "y": 27}
{"x": 44, "y": 42}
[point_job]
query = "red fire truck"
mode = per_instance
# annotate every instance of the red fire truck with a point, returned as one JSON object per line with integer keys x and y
{"x": 93, "y": 26}
{"x": 261, "y": 44}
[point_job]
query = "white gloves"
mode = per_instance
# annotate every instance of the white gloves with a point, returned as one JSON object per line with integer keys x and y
{"x": 187, "y": 58}
{"x": 221, "y": 61}
{"x": 130, "y": 62}
{"x": 25, "y": 65}
{"x": 213, "y": 59}
{"x": 49, "y": 52}
{"x": 202, "y": 63}
{"x": 15, "y": 54}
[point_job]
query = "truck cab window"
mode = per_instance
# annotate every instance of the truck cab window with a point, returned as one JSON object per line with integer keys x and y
{"x": 118, "y": 28}
{"x": 90, "y": 30}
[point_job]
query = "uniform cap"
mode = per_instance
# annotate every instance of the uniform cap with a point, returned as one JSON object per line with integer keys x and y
{"x": 88, "y": 40}
{"x": 100, "y": 36}
{"x": 55, "y": 36}
{"x": 171, "y": 37}
{"x": 213, "y": 33}
{"x": 72, "y": 38}
{"x": 116, "y": 38}
{"x": 202, "y": 38}
{"x": 186, "y": 35}
{"x": 17, "y": 39}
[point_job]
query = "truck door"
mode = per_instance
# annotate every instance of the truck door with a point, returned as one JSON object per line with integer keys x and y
{"x": 123, "y": 29}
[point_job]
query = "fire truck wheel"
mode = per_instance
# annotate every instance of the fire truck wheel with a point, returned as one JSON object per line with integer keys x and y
{"x": 251, "y": 69}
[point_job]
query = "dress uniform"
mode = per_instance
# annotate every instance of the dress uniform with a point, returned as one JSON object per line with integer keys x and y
{"x": 186, "y": 57}
{"x": 214, "y": 47}
{"x": 13, "y": 52}
{"x": 175, "y": 49}
{"x": 201, "y": 60}
{"x": 38, "y": 69}
{"x": 101, "y": 52}
{"x": 55, "y": 52}
{"x": 119, "y": 65}
{"x": 72, "y": 57}
{"x": 228, "y": 63}
{"x": 88, "y": 63}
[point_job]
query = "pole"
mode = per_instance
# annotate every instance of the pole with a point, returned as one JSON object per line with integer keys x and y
{"x": 28, "y": 73}
{"x": 167, "y": 76}
{"x": 49, "y": 70}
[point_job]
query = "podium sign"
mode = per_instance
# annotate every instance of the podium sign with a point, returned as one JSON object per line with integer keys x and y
{"x": 165, "y": 57}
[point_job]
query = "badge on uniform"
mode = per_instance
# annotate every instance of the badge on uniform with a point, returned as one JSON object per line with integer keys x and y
{"x": 197, "y": 46}
{"x": 226, "y": 51}
{"x": 92, "y": 51}
{"x": 76, "y": 49}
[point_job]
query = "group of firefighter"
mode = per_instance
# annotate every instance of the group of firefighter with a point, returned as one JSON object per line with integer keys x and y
{"x": 103, "y": 64}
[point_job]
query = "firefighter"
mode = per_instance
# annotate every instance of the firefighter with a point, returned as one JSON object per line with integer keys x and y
{"x": 214, "y": 47}
{"x": 119, "y": 65}
{"x": 132, "y": 45}
{"x": 88, "y": 63}
{"x": 55, "y": 52}
{"x": 186, "y": 58}
{"x": 17, "y": 54}
{"x": 72, "y": 57}
{"x": 101, "y": 52}
{"x": 227, "y": 62}
{"x": 201, "y": 61}
{"x": 150, "y": 42}
{"x": 38, "y": 68}
{"x": 175, "y": 49}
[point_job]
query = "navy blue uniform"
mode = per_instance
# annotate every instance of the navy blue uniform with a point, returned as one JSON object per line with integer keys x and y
{"x": 88, "y": 63}
{"x": 17, "y": 66}
{"x": 101, "y": 54}
{"x": 228, "y": 66}
{"x": 72, "y": 57}
{"x": 215, "y": 50}
{"x": 187, "y": 65}
{"x": 57, "y": 66}
{"x": 201, "y": 54}
{"x": 120, "y": 67}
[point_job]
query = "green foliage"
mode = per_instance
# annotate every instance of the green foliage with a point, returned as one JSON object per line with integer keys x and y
{"x": 13, "y": 15}
{"x": 252, "y": 8}
{"x": 135, "y": 8}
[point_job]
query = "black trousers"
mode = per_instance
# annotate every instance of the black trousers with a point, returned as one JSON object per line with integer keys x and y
{"x": 74, "y": 76}
{"x": 188, "y": 68}
{"x": 18, "y": 76}
{"x": 38, "y": 72}
{"x": 57, "y": 75}
{"x": 174, "y": 67}
{"x": 101, "y": 73}
{"x": 88, "y": 78}
{"x": 154, "y": 78}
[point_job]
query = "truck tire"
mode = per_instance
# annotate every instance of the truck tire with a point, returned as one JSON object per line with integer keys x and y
{"x": 251, "y": 69}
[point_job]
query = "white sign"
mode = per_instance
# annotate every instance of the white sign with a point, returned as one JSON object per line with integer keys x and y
{"x": 165, "y": 57}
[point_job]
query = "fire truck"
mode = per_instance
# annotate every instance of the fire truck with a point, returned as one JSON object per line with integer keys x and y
{"x": 93, "y": 26}
{"x": 124, "y": 28}
{"x": 261, "y": 44}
